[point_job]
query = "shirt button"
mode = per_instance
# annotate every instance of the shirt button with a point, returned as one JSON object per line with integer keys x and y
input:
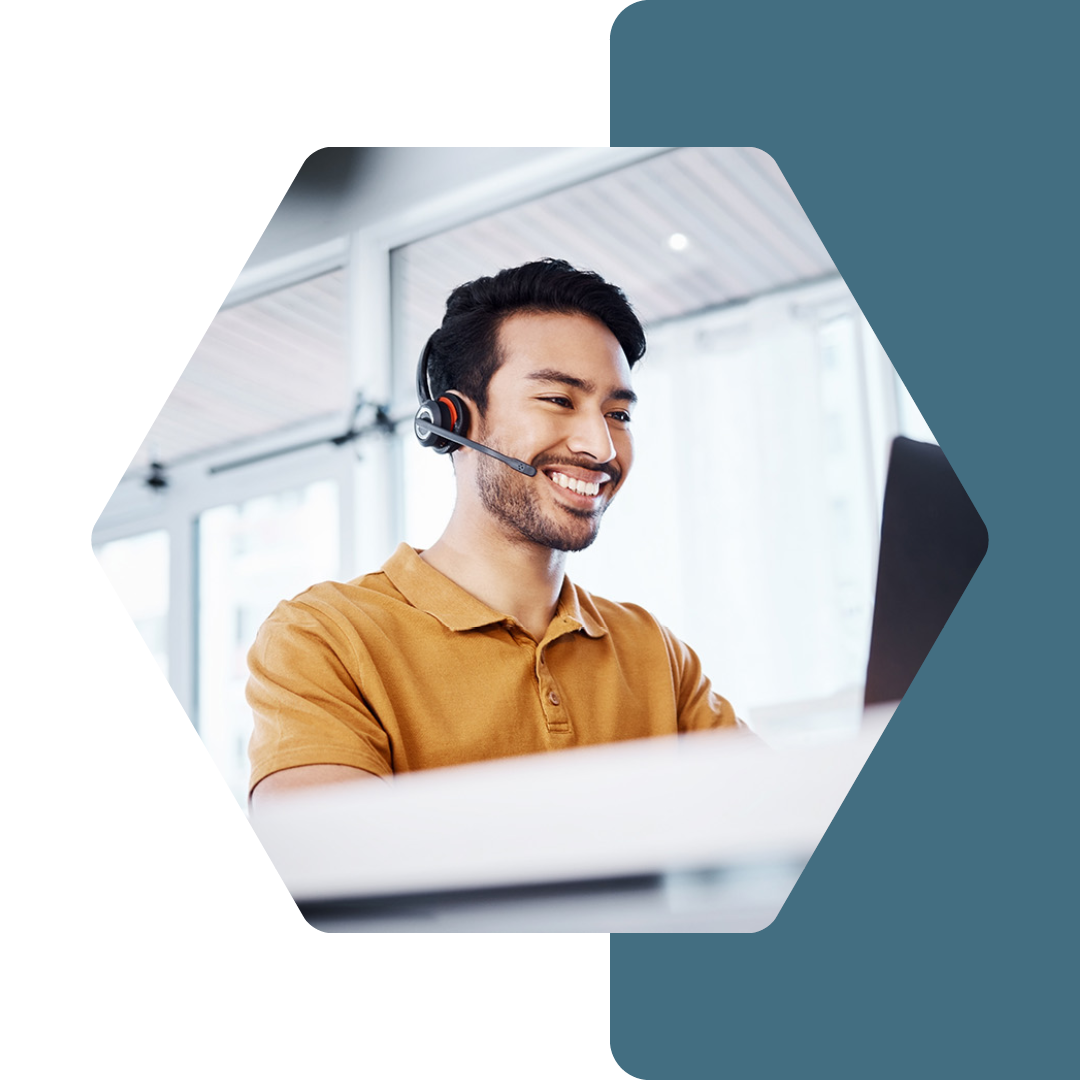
{"x": 553, "y": 698}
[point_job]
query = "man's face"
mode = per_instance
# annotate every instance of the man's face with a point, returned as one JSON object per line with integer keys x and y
{"x": 561, "y": 401}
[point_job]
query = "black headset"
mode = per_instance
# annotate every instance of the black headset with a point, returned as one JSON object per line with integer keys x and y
{"x": 441, "y": 422}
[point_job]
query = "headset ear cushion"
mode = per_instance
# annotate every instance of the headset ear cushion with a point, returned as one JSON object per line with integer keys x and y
{"x": 456, "y": 414}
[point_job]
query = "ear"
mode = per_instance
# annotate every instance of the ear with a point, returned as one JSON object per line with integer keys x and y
{"x": 464, "y": 397}
{"x": 463, "y": 408}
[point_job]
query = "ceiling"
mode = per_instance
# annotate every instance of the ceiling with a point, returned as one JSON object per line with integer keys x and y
{"x": 745, "y": 234}
{"x": 263, "y": 366}
{"x": 282, "y": 360}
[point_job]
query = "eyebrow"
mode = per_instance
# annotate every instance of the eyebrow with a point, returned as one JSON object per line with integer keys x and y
{"x": 550, "y": 375}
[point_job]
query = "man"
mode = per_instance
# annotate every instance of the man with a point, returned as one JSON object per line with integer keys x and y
{"x": 480, "y": 647}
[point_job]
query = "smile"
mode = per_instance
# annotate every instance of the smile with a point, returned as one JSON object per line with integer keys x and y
{"x": 580, "y": 487}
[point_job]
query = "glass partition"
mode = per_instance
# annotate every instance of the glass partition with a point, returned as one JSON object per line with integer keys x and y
{"x": 252, "y": 555}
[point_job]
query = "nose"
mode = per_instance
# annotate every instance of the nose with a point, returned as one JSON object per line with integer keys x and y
{"x": 591, "y": 436}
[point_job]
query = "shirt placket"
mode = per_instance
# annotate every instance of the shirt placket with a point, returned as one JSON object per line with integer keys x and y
{"x": 556, "y": 713}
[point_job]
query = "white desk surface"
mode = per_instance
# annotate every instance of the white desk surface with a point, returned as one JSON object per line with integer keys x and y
{"x": 648, "y": 807}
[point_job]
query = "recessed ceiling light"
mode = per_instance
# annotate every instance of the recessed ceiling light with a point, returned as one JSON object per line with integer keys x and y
{"x": 678, "y": 242}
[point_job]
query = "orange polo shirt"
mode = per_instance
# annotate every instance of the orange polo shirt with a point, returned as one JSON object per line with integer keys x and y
{"x": 404, "y": 670}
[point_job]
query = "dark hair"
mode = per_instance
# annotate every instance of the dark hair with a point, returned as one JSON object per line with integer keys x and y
{"x": 464, "y": 350}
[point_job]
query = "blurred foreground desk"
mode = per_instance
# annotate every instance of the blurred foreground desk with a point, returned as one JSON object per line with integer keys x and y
{"x": 704, "y": 833}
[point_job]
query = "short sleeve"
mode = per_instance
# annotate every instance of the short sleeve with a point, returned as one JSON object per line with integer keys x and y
{"x": 699, "y": 706}
{"x": 308, "y": 707}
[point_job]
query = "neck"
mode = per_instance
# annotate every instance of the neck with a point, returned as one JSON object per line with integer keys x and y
{"x": 518, "y": 578}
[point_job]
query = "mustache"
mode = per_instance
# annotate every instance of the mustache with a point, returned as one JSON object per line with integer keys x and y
{"x": 613, "y": 472}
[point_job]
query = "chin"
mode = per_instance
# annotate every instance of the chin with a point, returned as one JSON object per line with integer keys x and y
{"x": 578, "y": 539}
{"x": 579, "y": 544}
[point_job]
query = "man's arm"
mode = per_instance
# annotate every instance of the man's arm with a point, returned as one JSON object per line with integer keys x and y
{"x": 304, "y": 777}
{"x": 311, "y": 723}
{"x": 700, "y": 707}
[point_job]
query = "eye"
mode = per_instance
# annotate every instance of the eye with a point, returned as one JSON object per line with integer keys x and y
{"x": 621, "y": 415}
{"x": 562, "y": 402}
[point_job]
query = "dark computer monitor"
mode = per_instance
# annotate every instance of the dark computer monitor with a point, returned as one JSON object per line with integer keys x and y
{"x": 932, "y": 541}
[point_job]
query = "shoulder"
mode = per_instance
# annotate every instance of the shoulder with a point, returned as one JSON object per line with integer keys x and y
{"x": 370, "y": 590}
{"x": 333, "y": 609}
{"x": 631, "y": 626}
{"x": 617, "y": 617}
{"x": 621, "y": 614}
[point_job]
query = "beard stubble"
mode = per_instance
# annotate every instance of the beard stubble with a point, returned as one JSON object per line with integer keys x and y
{"x": 514, "y": 500}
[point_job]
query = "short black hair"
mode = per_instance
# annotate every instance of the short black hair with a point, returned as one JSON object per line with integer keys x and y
{"x": 464, "y": 351}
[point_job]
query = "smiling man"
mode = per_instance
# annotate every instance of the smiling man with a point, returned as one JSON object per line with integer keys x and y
{"x": 480, "y": 647}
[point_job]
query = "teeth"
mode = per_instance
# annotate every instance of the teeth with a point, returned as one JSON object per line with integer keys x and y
{"x": 580, "y": 486}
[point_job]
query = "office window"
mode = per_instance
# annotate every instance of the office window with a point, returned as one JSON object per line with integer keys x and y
{"x": 252, "y": 555}
{"x": 138, "y": 569}
{"x": 270, "y": 372}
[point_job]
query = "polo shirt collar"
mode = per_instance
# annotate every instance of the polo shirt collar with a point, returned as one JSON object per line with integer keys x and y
{"x": 428, "y": 590}
{"x": 578, "y": 612}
